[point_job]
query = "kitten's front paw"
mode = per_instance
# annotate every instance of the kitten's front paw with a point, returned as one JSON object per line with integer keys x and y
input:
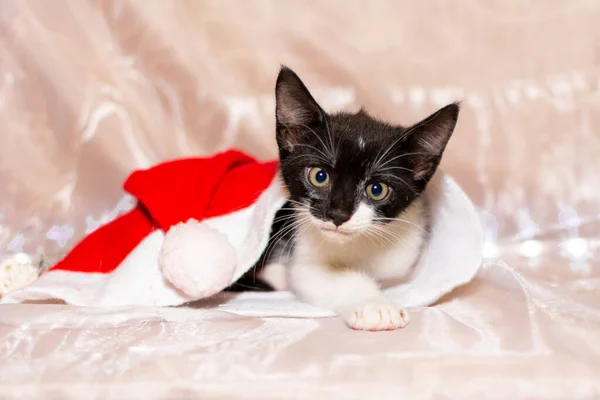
{"x": 376, "y": 315}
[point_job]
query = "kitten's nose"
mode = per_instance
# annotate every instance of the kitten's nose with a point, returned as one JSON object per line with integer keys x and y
{"x": 338, "y": 217}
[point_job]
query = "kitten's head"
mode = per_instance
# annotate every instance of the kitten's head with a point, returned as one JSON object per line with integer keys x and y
{"x": 346, "y": 172}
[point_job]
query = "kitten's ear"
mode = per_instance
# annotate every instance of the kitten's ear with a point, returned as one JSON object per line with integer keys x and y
{"x": 427, "y": 141}
{"x": 296, "y": 109}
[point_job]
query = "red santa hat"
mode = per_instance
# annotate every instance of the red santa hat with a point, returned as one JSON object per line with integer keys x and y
{"x": 201, "y": 223}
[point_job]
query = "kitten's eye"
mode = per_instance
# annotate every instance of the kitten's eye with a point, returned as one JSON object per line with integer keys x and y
{"x": 318, "y": 177}
{"x": 377, "y": 191}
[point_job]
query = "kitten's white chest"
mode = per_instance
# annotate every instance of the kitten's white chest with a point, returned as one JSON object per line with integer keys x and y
{"x": 397, "y": 261}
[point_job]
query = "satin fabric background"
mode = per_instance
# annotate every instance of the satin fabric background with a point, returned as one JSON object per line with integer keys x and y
{"x": 90, "y": 90}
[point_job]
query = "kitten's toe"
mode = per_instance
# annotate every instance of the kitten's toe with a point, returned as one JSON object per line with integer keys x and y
{"x": 355, "y": 321}
{"x": 376, "y": 315}
{"x": 404, "y": 317}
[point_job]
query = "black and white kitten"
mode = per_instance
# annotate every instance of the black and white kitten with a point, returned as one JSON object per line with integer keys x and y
{"x": 356, "y": 216}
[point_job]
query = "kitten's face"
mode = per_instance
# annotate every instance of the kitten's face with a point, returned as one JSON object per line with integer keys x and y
{"x": 347, "y": 173}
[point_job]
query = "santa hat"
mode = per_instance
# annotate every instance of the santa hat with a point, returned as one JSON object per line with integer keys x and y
{"x": 201, "y": 223}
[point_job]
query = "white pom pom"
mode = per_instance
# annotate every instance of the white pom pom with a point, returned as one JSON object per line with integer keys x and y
{"x": 197, "y": 259}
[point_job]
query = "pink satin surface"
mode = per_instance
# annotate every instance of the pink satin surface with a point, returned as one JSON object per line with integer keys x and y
{"x": 91, "y": 90}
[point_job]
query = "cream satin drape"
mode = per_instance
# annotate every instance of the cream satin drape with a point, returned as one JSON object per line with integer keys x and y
{"x": 90, "y": 90}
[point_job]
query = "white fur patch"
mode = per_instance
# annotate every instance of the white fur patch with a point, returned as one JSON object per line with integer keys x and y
{"x": 343, "y": 269}
{"x": 360, "y": 221}
{"x": 275, "y": 275}
{"x": 361, "y": 143}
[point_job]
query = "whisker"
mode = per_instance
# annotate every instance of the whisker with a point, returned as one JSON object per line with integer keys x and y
{"x": 328, "y": 149}
{"x": 370, "y": 231}
{"x": 297, "y": 229}
{"x": 400, "y": 156}
{"x": 247, "y": 286}
{"x": 324, "y": 157}
{"x": 301, "y": 205}
{"x": 321, "y": 158}
{"x": 391, "y": 177}
{"x": 378, "y": 232}
{"x": 399, "y": 240}
{"x": 310, "y": 146}
{"x": 367, "y": 235}
{"x": 298, "y": 219}
{"x": 390, "y": 168}
{"x": 401, "y": 220}
{"x": 395, "y": 142}
{"x": 275, "y": 238}
{"x": 334, "y": 148}
{"x": 283, "y": 218}
{"x": 294, "y": 237}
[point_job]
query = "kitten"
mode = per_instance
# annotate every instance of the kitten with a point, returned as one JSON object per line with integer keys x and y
{"x": 355, "y": 217}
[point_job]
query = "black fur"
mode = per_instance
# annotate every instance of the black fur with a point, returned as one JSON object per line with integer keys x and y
{"x": 356, "y": 150}
{"x": 308, "y": 137}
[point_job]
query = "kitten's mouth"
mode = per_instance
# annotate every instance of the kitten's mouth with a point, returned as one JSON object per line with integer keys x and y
{"x": 337, "y": 231}
{"x": 329, "y": 231}
{"x": 336, "y": 234}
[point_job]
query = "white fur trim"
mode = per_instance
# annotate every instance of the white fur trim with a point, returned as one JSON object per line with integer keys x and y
{"x": 454, "y": 251}
{"x": 138, "y": 279}
{"x": 452, "y": 258}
